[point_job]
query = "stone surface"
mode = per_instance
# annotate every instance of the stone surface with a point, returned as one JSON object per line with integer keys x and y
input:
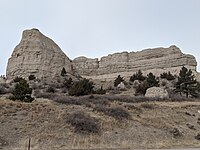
{"x": 121, "y": 86}
{"x": 37, "y": 55}
{"x": 156, "y": 92}
{"x": 157, "y": 60}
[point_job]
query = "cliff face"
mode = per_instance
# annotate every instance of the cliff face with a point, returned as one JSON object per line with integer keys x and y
{"x": 39, "y": 55}
{"x": 156, "y": 60}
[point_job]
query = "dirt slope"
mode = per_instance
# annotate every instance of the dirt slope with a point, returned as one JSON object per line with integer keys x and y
{"x": 152, "y": 125}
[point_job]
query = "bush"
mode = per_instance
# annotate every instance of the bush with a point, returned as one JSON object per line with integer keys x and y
{"x": 137, "y": 76}
{"x": 31, "y": 77}
{"x": 118, "y": 113}
{"x": 167, "y": 76}
{"x": 142, "y": 88}
{"x": 50, "y": 90}
{"x": 22, "y": 92}
{"x": 68, "y": 83}
{"x": 18, "y": 79}
{"x": 63, "y": 72}
{"x": 83, "y": 122}
{"x": 118, "y": 80}
{"x": 83, "y": 87}
{"x": 151, "y": 80}
{"x": 3, "y": 90}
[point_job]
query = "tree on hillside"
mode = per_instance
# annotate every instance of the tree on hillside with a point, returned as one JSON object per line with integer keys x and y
{"x": 22, "y": 91}
{"x": 186, "y": 83}
{"x": 82, "y": 87}
{"x": 151, "y": 80}
{"x": 118, "y": 80}
{"x": 137, "y": 76}
{"x": 63, "y": 72}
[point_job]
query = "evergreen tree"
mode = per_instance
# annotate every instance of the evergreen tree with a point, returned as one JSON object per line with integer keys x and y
{"x": 151, "y": 80}
{"x": 186, "y": 83}
{"x": 118, "y": 80}
{"x": 137, "y": 76}
{"x": 63, "y": 72}
{"x": 82, "y": 87}
{"x": 22, "y": 91}
{"x": 167, "y": 76}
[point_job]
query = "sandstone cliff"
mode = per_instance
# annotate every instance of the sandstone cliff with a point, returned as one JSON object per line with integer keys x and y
{"x": 37, "y": 55}
{"x": 156, "y": 60}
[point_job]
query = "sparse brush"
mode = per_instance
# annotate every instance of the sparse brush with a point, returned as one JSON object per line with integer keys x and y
{"x": 83, "y": 122}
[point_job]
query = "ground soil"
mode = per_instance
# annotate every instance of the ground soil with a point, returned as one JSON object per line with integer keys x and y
{"x": 151, "y": 125}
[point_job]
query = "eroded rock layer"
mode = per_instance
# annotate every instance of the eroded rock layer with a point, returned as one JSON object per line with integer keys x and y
{"x": 156, "y": 60}
{"x": 37, "y": 55}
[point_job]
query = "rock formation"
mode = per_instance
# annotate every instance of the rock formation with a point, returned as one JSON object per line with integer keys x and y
{"x": 156, "y": 92}
{"x": 156, "y": 60}
{"x": 37, "y": 55}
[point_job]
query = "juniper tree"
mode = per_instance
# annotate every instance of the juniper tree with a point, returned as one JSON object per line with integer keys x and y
{"x": 186, "y": 83}
{"x": 63, "y": 72}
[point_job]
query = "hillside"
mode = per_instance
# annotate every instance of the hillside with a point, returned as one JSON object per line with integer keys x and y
{"x": 151, "y": 124}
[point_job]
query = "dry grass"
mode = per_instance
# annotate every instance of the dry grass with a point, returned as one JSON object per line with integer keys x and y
{"x": 45, "y": 123}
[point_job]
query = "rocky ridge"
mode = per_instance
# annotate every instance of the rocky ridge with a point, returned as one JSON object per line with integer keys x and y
{"x": 39, "y": 55}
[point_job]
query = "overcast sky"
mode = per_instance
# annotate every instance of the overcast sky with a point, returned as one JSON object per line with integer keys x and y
{"x": 95, "y": 28}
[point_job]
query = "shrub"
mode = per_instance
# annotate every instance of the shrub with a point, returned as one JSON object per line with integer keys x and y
{"x": 118, "y": 113}
{"x": 18, "y": 79}
{"x": 50, "y": 90}
{"x": 151, "y": 80}
{"x": 68, "y": 83}
{"x": 83, "y": 87}
{"x": 63, "y": 72}
{"x": 3, "y": 90}
{"x": 83, "y": 122}
{"x": 118, "y": 80}
{"x": 22, "y": 92}
{"x": 31, "y": 77}
{"x": 167, "y": 76}
{"x": 137, "y": 76}
{"x": 142, "y": 88}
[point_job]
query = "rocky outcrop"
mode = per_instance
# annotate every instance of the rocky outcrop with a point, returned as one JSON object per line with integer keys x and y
{"x": 37, "y": 55}
{"x": 156, "y": 60}
{"x": 156, "y": 92}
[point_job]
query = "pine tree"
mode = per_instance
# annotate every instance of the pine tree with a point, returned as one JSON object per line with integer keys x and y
{"x": 151, "y": 80}
{"x": 63, "y": 72}
{"x": 186, "y": 83}
{"x": 137, "y": 76}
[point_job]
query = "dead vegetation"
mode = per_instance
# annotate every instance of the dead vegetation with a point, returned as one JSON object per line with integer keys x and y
{"x": 99, "y": 122}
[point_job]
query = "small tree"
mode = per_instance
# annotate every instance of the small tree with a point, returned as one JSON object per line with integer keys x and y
{"x": 118, "y": 80}
{"x": 68, "y": 83}
{"x": 167, "y": 76}
{"x": 63, "y": 72}
{"x": 31, "y": 77}
{"x": 137, "y": 76}
{"x": 83, "y": 87}
{"x": 151, "y": 80}
{"x": 22, "y": 92}
{"x": 186, "y": 83}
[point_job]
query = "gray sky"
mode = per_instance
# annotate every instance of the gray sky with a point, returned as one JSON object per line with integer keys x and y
{"x": 95, "y": 28}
